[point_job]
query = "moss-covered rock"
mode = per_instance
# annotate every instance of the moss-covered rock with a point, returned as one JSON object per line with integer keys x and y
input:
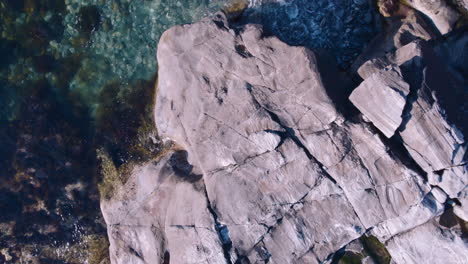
{"x": 376, "y": 249}
{"x": 124, "y": 121}
{"x": 235, "y": 8}
{"x": 98, "y": 249}
{"x": 110, "y": 178}
{"x": 350, "y": 257}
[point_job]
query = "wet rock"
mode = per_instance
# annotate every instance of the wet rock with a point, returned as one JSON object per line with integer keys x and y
{"x": 375, "y": 249}
{"x": 235, "y": 8}
{"x": 389, "y": 7}
{"x": 42, "y": 221}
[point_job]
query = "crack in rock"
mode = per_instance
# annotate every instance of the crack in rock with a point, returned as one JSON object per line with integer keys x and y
{"x": 222, "y": 230}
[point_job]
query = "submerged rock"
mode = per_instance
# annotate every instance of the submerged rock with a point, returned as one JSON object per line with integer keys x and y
{"x": 267, "y": 169}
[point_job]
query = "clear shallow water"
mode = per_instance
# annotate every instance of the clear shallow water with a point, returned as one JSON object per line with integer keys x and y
{"x": 115, "y": 39}
{"x": 76, "y": 76}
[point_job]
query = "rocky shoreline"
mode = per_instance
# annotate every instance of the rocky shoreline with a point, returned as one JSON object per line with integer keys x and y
{"x": 284, "y": 131}
{"x": 277, "y": 156}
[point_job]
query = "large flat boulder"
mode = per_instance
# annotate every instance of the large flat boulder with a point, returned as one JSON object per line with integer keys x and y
{"x": 255, "y": 117}
{"x": 267, "y": 170}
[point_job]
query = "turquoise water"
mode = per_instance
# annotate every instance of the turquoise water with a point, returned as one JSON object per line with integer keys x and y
{"x": 115, "y": 39}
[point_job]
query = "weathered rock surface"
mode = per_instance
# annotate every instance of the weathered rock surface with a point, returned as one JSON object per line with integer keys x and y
{"x": 429, "y": 128}
{"x": 160, "y": 208}
{"x": 382, "y": 97}
{"x": 273, "y": 172}
{"x": 428, "y": 243}
{"x": 442, "y": 15}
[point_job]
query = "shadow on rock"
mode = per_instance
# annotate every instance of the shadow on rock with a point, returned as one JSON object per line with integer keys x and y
{"x": 182, "y": 168}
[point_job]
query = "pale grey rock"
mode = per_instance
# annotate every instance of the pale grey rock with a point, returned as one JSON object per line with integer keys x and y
{"x": 432, "y": 138}
{"x": 381, "y": 98}
{"x": 228, "y": 111}
{"x": 377, "y": 184}
{"x": 441, "y": 14}
{"x": 273, "y": 172}
{"x": 417, "y": 215}
{"x": 432, "y": 141}
{"x": 428, "y": 243}
{"x": 161, "y": 212}
{"x": 439, "y": 194}
{"x": 233, "y": 117}
{"x": 451, "y": 180}
{"x": 406, "y": 53}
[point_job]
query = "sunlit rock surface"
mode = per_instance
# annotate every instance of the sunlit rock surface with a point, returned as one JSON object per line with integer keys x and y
{"x": 267, "y": 168}
{"x": 432, "y": 119}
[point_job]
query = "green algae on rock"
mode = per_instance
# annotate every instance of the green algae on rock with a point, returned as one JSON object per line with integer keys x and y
{"x": 110, "y": 176}
{"x": 376, "y": 249}
{"x": 235, "y": 8}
